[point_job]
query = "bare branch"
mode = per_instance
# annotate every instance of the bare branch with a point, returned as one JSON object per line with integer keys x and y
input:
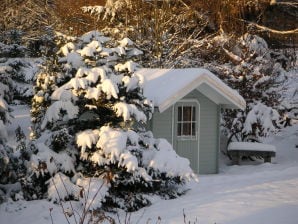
{"x": 267, "y": 29}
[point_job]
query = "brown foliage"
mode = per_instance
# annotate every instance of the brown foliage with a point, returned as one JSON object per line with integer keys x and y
{"x": 29, "y": 16}
{"x": 229, "y": 15}
{"x": 33, "y": 16}
{"x": 72, "y": 18}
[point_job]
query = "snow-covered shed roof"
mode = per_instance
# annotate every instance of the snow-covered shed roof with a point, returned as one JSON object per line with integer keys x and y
{"x": 166, "y": 86}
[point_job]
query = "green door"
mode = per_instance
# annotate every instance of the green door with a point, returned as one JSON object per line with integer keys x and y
{"x": 186, "y": 131}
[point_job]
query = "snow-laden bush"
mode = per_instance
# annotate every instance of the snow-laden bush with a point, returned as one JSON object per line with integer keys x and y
{"x": 289, "y": 94}
{"x": 258, "y": 78}
{"x": 260, "y": 114}
{"x": 89, "y": 117}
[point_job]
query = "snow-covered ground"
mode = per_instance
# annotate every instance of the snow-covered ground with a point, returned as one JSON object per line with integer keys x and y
{"x": 251, "y": 193}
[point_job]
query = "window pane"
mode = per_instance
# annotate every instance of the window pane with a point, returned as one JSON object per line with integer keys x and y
{"x": 193, "y": 129}
{"x": 193, "y": 113}
{"x": 179, "y": 129}
{"x": 186, "y": 113}
{"x": 179, "y": 113}
{"x": 186, "y": 129}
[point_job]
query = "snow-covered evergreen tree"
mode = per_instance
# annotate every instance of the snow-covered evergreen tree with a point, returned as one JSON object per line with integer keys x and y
{"x": 16, "y": 75}
{"x": 8, "y": 161}
{"x": 50, "y": 75}
{"x": 5, "y": 151}
{"x": 90, "y": 131}
{"x": 6, "y": 96}
{"x": 19, "y": 68}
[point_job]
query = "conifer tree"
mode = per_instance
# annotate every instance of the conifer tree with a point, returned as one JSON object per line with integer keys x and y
{"x": 92, "y": 134}
{"x": 5, "y": 151}
{"x": 5, "y": 117}
{"x": 16, "y": 75}
{"x": 17, "y": 66}
{"x": 7, "y": 172}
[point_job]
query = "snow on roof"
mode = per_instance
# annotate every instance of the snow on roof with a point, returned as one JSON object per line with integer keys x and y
{"x": 251, "y": 146}
{"x": 166, "y": 86}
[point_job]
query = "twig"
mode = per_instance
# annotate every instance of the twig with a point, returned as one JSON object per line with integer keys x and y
{"x": 158, "y": 220}
{"x": 267, "y": 29}
{"x": 69, "y": 200}
{"x": 60, "y": 201}
{"x": 118, "y": 218}
{"x": 51, "y": 215}
{"x": 141, "y": 217}
{"x": 85, "y": 213}
{"x": 182, "y": 2}
{"x": 86, "y": 196}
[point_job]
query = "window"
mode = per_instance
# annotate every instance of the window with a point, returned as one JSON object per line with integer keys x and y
{"x": 186, "y": 124}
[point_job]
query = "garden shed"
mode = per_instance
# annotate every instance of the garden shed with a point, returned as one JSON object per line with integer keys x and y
{"x": 187, "y": 112}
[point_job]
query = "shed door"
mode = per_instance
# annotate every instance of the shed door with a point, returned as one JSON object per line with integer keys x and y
{"x": 186, "y": 131}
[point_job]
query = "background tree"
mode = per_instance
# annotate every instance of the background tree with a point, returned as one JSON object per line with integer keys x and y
{"x": 16, "y": 75}
{"x": 160, "y": 28}
{"x": 71, "y": 19}
{"x": 7, "y": 172}
{"x": 221, "y": 36}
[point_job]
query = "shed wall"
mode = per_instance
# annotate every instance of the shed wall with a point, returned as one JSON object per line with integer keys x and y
{"x": 161, "y": 124}
{"x": 162, "y": 127}
{"x": 209, "y": 136}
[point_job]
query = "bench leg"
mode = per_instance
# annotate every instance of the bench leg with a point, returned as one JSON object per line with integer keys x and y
{"x": 236, "y": 160}
{"x": 267, "y": 159}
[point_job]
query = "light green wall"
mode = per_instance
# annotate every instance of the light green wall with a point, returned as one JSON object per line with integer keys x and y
{"x": 161, "y": 126}
{"x": 209, "y": 138}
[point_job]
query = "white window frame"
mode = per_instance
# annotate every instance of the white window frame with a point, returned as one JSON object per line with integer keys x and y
{"x": 191, "y": 122}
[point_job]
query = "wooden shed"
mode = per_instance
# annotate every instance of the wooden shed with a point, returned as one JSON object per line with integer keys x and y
{"x": 187, "y": 112}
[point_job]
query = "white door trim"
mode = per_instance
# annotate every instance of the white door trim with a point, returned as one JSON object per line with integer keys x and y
{"x": 190, "y": 100}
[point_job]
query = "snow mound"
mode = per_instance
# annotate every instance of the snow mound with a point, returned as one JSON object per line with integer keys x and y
{"x": 94, "y": 190}
{"x": 61, "y": 188}
{"x": 167, "y": 161}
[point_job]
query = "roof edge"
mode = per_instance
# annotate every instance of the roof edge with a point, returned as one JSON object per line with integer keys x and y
{"x": 225, "y": 90}
{"x": 183, "y": 92}
{"x": 215, "y": 83}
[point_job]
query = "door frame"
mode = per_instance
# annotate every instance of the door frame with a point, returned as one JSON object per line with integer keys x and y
{"x": 195, "y": 101}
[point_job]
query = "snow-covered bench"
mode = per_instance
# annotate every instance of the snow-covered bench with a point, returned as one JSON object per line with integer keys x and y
{"x": 239, "y": 149}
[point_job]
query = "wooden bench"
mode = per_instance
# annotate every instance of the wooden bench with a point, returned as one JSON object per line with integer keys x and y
{"x": 239, "y": 149}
